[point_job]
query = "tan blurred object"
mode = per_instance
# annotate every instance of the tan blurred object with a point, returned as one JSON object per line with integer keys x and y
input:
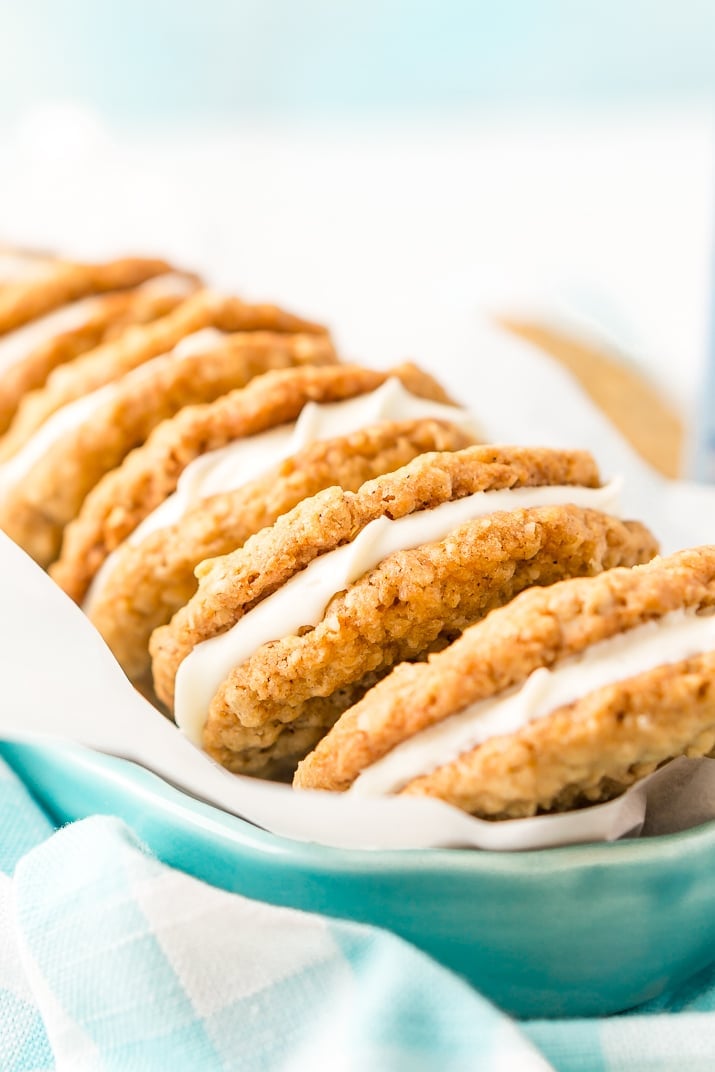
{"x": 635, "y": 406}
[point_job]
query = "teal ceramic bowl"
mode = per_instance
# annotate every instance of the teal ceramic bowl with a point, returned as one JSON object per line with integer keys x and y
{"x": 574, "y": 931}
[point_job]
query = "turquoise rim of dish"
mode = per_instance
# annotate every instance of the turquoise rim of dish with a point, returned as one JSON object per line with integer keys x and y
{"x": 146, "y": 788}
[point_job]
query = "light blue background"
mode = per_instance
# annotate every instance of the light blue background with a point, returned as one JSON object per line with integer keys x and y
{"x": 193, "y": 59}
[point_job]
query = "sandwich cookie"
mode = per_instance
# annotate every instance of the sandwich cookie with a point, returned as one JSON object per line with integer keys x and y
{"x": 34, "y": 294}
{"x": 43, "y": 486}
{"x": 139, "y": 344}
{"x": 285, "y": 634}
{"x": 563, "y": 698}
{"x": 29, "y": 353}
{"x": 231, "y": 440}
{"x": 145, "y": 581}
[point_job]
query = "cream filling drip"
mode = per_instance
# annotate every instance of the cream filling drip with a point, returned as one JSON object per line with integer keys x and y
{"x": 70, "y": 417}
{"x": 302, "y": 600}
{"x": 245, "y": 459}
{"x": 19, "y": 344}
{"x": 670, "y": 639}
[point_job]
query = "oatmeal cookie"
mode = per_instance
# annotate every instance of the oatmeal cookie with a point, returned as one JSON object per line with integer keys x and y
{"x": 286, "y": 633}
{"x": 34, "y": 295}
{"x": 564, "y": 697}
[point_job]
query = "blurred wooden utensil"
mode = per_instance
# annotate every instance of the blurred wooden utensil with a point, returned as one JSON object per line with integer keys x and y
{"x": 636, "y": 407}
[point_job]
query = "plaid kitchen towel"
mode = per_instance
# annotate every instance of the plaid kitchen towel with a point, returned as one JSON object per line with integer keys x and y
{"x": 110, "y": 960}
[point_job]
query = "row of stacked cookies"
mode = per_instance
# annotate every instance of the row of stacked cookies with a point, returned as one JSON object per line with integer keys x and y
{"x": 315, "y": 567}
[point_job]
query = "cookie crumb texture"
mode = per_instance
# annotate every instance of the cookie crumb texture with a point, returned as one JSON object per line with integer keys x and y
{"x": 153, "y": 579}
{"x": 272, "y": 709}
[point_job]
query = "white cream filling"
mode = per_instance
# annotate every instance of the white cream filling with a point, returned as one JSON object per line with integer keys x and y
{"x": 19, "y": 344}
{"x": 70, "y": 417}
{"x": 302, "y": 600}
{"x": 206, "y": 339}
{"x": 670, "y": 639}
{"x": 245, "y": 459}
{"x": 62, "y": 421}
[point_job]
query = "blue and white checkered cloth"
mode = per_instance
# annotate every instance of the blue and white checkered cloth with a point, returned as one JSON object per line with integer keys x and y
{"x": 111, "y": 961}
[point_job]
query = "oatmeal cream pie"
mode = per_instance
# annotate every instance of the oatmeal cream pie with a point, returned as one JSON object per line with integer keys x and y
{"x": 138, "y": 344}
{"x": 285, "y": 634}
{"x": 231, "y": 441}
{"x": 146, "y": 580}
{"x": 43, "y": 486}
{"x": 30, "y": 353}
{"x": 565, "y": 697}
{"x": 32, "y": 294}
